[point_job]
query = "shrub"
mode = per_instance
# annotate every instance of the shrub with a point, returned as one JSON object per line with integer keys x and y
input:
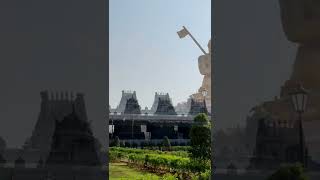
{"x": 292, "y": 172}
{"x": 200, "y": 138}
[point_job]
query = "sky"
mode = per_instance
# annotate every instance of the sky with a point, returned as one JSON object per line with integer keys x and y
{"x": 145, "y": 52}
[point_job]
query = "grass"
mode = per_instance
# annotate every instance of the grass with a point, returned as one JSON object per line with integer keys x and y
{"x": 120, "y": 171}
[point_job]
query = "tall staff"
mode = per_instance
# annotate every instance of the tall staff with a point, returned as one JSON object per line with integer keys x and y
{"x": 184, "y": 32}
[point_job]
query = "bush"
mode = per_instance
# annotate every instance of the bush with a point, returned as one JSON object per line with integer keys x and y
{"x": 169, "y": 177}
{"x": 200, "y": 138}
{"x": 292, "y": 172}
{"x": 180, "y": 148}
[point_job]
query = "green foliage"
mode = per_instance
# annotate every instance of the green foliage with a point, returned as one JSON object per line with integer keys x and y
{"x": 201, "y": 118}
{"x": 180, "y": 148}
{"x": 155, "y": 160}
{"x": 198, "y": 166}
{"x": 200, "y": 138}
{"x": 292, "y": 172}
{"x": 166, "y": 143}
{"x": 202, "y": 176}
{"x": 169, "y": 177}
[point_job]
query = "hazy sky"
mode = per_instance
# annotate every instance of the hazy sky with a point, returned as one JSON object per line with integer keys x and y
{"x": 146, "y": 54}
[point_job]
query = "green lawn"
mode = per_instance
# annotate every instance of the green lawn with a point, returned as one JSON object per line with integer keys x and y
{"x": 120, "y": 171}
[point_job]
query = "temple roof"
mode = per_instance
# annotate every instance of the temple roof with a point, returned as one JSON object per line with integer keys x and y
{"x": 165, "y": 107}
{"x": 132, "y": 106}
{"x": 124, "y": 98}
{"x": 198, "y": 107}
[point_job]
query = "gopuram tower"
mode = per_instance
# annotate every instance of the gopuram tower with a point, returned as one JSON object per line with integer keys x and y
{"x": 54, "y": 107}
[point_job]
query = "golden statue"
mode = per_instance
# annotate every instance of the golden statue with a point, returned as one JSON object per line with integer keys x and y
{"x": 204, "y": 64}
{"x": 204, "y": 92}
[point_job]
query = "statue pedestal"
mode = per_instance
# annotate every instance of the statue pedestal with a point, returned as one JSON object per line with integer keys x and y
{"x": 199, "y": 97}
{"x": 282, "y": 115}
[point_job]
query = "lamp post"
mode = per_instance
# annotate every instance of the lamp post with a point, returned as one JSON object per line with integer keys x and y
{"x": 299, "y": 99}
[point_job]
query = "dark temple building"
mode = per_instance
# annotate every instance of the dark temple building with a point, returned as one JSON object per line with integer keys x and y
{"x": 151, "y": 126}
{"x": 124, "y": 98}
{"x": 165, "y": 107}
{"x": 73, "y": 143}
{"x": 62, "y": 146}
{"x": 157, "y": 98}
{"x": 198, "y": 107}
{"x": 276, "y": 144}
{"x": 132, "y": 106}
{"x": 53, "y": 108}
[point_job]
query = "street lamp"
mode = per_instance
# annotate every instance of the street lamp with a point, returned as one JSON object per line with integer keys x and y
{"x": 299, "y": 97}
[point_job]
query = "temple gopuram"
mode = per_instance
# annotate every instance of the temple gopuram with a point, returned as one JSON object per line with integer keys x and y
{"x": 132, "y": 125}
{"x": 62, "y": 145}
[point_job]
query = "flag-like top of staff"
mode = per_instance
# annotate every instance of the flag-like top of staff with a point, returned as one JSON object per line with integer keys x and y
{"x": 184, "y": 32}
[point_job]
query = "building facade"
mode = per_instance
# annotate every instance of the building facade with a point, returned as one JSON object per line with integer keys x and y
{"x": 135, "y": 126}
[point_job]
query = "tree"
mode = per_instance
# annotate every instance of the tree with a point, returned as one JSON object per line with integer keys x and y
{"x": 166, "y": 143}
{"x": 292, "y": 172}
{"x": 200, "y": 138}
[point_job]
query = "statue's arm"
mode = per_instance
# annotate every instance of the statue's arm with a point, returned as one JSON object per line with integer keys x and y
{"x": 204, "y": 64}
